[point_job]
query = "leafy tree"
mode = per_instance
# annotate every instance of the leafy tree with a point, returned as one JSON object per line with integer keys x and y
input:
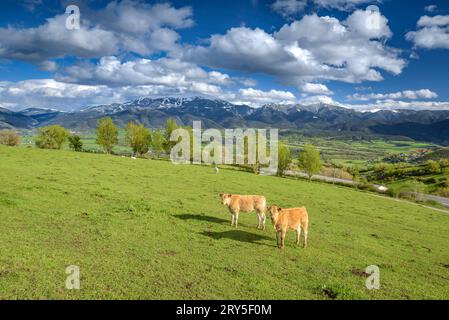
{"x": 433, "y": 166}
{"x": 310, "y": 160}
{"x": 9, "y": 138}
{"x": 75, "y": 143}
{"x": 157, "y": 143}
{"x": 284, "y": 159}
{"x": 138, "y": 138}
{"x": 444, "y": 163}
{"x": 51, "y": 137}
{"x": 170, "y": 126}
{"x": 107, "y": 134}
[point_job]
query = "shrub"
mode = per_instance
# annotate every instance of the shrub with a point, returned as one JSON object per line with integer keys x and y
{"x": 336, "y": 173}
{"x": 75, "y": 143}
{"x": 51, "y": 137}
{"x": 443, "y": 192}
{"x": 433, "y": 167}
{"x": 9, "y": 138}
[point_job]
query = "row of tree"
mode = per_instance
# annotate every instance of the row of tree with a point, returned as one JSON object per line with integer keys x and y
{"x": 137, "y": 137}
{"x": 141, "y": 140}
{"x": 309, "y": 160}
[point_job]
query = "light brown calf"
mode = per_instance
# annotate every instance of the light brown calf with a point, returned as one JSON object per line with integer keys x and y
{"x": 238, "y": 203}
{"x": 284, "y": 219}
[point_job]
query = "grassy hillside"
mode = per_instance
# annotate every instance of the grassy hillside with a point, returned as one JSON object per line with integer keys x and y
{"x": 150, "y": 229}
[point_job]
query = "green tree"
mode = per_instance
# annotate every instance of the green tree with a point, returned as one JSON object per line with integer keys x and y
{"x": 170, "y": 126}
{"x": 75, "y": 143}
{"x": 157, "y": 143}
{"x": 138, "y": 138}
{"x": 9, "y": 138}
{"x": 284, "y": 159}
{"x": 310, "y": 160}
{"x": 51, "y": 137}
{"x": 444, "y": 163}
{"x": 107, "y": 134}
{"x": 433, "y": 166}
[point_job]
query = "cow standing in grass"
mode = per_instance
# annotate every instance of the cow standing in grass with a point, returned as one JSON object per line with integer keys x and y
{"x": 284, "y": 219}
{"x": 238, "y": 203}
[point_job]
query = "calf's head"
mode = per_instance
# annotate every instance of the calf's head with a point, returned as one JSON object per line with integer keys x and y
{"x": 225, "y": 198}
{"x": 274, "y": 213}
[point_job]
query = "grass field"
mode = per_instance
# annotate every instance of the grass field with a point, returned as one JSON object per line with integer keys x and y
{"x": 152, "y": 230}
{"x": 357, "y": 152}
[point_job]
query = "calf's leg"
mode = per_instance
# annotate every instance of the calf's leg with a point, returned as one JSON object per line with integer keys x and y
{"x": 259, "y": 219}
{"x": 236, "y": 219}
{"x": 298, "y": 235}
{"x": 306, "y": 232}
{"x": 284, "y": 231}
{"x": 278, "y": 238}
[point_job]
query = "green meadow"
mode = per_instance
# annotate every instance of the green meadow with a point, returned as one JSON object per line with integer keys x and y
{"x": 146, "y": 229}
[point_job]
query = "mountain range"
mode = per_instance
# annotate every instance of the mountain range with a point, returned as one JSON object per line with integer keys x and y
{"x": 316, "y": 119}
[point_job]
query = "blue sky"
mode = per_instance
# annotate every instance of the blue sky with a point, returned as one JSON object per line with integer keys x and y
{"x": 362, "y": 54}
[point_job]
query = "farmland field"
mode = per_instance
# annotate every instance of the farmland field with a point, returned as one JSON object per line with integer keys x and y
{"x": 149, "y": 229}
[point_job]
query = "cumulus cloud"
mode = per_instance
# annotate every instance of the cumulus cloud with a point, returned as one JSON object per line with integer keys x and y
{"x": 49, "y": 93}
{"x": 431, "y": 8}
{"x": 253, "y": 97}
{"x": 126, "y": 26}
{"x": 345, "y": 5}
{"x": 398, "y": 105}
{"x": 170, "y": 72}
{"x": 313, "y": 48}
{"x": 406, "y": 94}
{"x": 289, "y": 8}
{"x": 319, "y": 99}
{"x": 315, "y": 88}
{"x": 432, "y": 33}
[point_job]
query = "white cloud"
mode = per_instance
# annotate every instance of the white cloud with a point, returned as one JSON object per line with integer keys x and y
{"x": 398, "y": 105}
{"x": 319, "y": 99}
{"x": 255, "y": 97}
{"x": 49, "y": 93}
{"x": 126, "y": 26}
{"x": 315, "y": 88}
{"x": 345, "y": 5}
{"x": 313, "y": 48}
{"x": 48, "y": 65}
{"x": 169, "y": 72}
{"x": 431, "y": 8}
{"x": 432, "y": 33}
{"x": 289, "y": 8}
{"x": 406, "y": 94}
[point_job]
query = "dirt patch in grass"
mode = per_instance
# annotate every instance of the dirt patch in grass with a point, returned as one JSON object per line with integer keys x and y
{"x": 168, "y": 253}
{"x": 359, "y": 272}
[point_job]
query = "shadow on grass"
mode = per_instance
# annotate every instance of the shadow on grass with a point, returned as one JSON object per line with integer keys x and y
{"x": 239, "y": 235}
{"x": 202, "y": 217}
